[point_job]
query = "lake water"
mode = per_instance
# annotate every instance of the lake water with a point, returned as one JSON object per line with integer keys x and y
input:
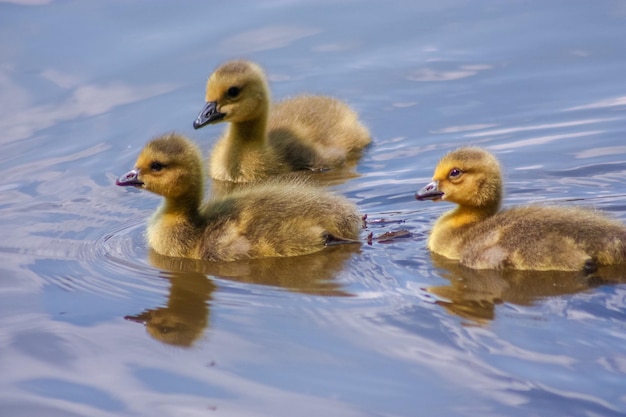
{"x": 92, "y": 325}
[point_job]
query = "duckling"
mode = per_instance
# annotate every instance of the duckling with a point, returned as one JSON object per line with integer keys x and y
{"x": 303, "y": 133}
{"x": 481, "y": 236}
{"x": 283, "y": 218}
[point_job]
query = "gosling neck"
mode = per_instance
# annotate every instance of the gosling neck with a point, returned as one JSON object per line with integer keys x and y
{"x": 252, "y": 130}
{"x": 185, "y": 206}
{"x": 466, "y": 215}
{"x": 247, "y": 155}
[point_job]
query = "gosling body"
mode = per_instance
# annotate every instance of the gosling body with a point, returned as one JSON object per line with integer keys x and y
{"x": 302, "y": 133}
{"x": 274, "y": 219}
{"x": 480, "y": 235}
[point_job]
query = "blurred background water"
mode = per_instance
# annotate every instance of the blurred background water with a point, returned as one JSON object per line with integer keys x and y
{"x": 92, "y": 325}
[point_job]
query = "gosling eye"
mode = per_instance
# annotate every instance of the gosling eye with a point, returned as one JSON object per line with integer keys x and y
{"x": 156, "y": 166}
{"x": 233, "y": 92}
{"x": 455, "y": 173}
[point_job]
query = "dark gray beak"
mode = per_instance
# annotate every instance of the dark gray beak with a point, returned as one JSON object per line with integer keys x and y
{"x": 430, "y": 192}
{"x": 208, "y": 115}
{"x": 131, "y": 178}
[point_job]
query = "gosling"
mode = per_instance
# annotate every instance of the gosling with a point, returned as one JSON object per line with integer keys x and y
{"x": 303, "y": 133}
{"x": 481, "y": 236}
{"x": 274, "y": 219}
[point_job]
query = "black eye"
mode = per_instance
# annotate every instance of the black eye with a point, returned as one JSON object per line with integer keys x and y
{"x": 156, "y": 166}
{"x": 233, "y": 92}
{"x": 455, "y": 173}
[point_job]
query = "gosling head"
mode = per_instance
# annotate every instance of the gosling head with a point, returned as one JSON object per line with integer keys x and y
{"x": 236, "y": 92}
{"x": 469, "y": 177}
{"x": 170, "y": 165}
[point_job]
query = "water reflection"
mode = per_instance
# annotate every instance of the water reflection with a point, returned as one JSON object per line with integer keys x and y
{"x": 608, "y": 103}
{"x": 474, "y": 294}
{"x": 184, "y": 318}
{"x": 262, "y": 39}
{"x": 22, "y": 119}
{"x": 327, "y": 178}
{"x": 463, "y": 71}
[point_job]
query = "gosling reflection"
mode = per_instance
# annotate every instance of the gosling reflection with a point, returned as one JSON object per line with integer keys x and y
{"x": 183, "y": 320}
{"x": 474, "y": 293}
{"x": 186, "y": 316}
{"x": 311, "y": 274}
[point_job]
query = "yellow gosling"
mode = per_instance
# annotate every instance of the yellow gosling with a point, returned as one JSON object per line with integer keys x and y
{"x": 286, "y": 218}
{"x": 302, "y": 133}
{"x": 481, "y": 236}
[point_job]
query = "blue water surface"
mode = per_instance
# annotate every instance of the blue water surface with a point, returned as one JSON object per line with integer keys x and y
{"x": 92, "y": 325}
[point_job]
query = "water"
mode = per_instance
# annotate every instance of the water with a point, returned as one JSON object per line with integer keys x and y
{"x": 92, "y": 325}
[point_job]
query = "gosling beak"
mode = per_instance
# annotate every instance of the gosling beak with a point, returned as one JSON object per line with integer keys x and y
{"x": 430, "y": 192}
{"x": 130, "y": 178}
{"x": 208, "y": 115}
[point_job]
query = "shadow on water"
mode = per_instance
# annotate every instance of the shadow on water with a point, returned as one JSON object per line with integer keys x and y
{"x": 185, "y": 316}
{"x": 474, "y": 294}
